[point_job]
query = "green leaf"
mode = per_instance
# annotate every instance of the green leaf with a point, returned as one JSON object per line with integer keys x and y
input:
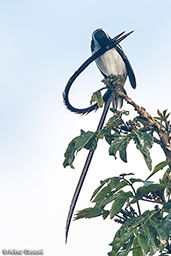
{"x": 111, "y": 181}
{"x": 120, "y": 185}
{"x": 114, "y": 121}
{"x": 69, "y": 155}
{"x": 142, "y": 239}
{"x": 147, "y": 158}
{"x": 105, "y": 214}
{"x": 133, "y": 180}
{"x": 96, "y": 191}
{"x": 147, "y": 139}
{"x": 125, "y": 235}
{"x": 122, "y": 175}
{"x": 122, "y": 243}
{"x": 167, "y": 207}
{"x": 89, "y": 213}
{"x": 114, "y": 182}
{"x": 102, "y": 194}
{"x": 162, "y": 227}
{"x": 152, "y": 239}
{"x": 157, "y": 168}
{"x": 123, "y": 148}
{"x": 164, "y": 112}
{"x": 141, "y": 191}
{"x": 113, "y": 195}
{"x": 167, "y": 116}
{"x": 158, "y": 118}
{"x": 129, "y": 245}
{"x": 167, "y": 176}
{"x": 159, "y": 113}
{"x": 119, "y": 202}
{"x": 137, "y": 251}
{"x": 97, "y": 97}
{"x": 143, "y": 143}
{"x": 85, "y": 140}
{"x": 120, "y": 144}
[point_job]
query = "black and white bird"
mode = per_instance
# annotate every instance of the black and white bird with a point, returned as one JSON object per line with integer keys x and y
{"x": 112, "y": 62}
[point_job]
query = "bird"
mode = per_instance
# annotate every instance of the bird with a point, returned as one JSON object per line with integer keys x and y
{"x": 112, "y": 62}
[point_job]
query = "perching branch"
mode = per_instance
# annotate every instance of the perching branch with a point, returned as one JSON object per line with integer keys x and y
{"x": 148, "y": 119}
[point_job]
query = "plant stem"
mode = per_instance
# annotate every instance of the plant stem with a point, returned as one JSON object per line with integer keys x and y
{"x": 138, "y": 206}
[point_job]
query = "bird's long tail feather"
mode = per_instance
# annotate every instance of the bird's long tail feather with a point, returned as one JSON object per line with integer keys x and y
{"x": 85, "y": 168}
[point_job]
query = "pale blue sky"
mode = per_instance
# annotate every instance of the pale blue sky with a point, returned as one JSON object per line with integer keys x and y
{"x": 41, "y": 44}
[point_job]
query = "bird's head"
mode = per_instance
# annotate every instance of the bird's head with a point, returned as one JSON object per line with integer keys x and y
{"x": 100, "y": 39}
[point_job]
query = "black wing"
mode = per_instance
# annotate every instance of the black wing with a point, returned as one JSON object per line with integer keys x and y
{"x": 129, "y": 69}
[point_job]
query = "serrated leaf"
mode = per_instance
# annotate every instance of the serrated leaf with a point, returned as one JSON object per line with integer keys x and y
{"x": 88, "y": 213}
{"x": 97, "y": 97}
{"x": 157, "y": 168}
{"x": 119, "y": 202}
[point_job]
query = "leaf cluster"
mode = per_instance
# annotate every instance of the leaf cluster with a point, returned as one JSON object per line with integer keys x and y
{"x": 143, "y": 234}
{"x": 163, "y": 118}
{"x": 118, "y": 135}
{"x": 120, "y": 198}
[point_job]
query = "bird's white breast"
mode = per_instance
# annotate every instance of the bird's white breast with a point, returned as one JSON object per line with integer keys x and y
{"x": 111, "y": 63}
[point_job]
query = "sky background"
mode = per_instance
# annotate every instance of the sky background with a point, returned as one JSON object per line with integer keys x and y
{"x": 41, "y": 44}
